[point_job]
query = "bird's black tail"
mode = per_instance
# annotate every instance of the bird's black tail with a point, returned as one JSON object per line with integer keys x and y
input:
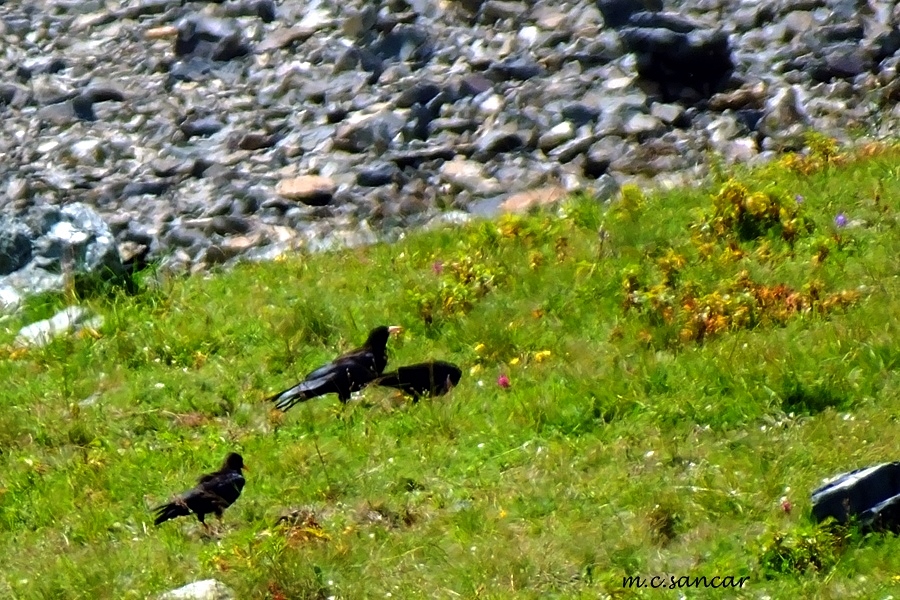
{"x": 301, "y": 392}
{"x": 170, "y": 511}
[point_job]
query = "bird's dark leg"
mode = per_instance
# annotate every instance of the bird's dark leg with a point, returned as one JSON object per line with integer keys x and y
{"x": 218, "y": 522}
{"x": 201, "y": 517}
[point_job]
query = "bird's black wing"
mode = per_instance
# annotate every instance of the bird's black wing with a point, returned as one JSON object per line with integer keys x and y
{"x": 196, "y": 500}
{"x": 434, "y": 378}
{"x": 343, "y": 376}
{"x": 224, "y": 485}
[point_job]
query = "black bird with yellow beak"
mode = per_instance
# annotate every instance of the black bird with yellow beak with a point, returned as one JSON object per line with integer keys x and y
{"x": 344, "y": 375}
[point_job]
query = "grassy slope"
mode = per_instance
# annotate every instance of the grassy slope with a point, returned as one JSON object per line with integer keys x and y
{"x": 625, "y": 451}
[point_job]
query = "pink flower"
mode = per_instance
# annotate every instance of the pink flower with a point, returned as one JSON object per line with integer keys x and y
{"x": 438, "y": 267}
{"x": 503, "y": 381}
{"x": 786, "y": 506}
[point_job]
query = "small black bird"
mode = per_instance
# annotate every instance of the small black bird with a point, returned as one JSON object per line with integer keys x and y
{"x": 213, "y": 493}
{"x": 344, "y": 375}
{"x": 434, "y": 378}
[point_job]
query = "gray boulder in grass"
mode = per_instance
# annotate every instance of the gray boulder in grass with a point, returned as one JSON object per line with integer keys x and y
{"x": 871, "y": 495}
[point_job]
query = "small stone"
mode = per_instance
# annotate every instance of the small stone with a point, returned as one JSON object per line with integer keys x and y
{"x": 640, "y": 124}
{"x": 557, "y": 135}
{"x": 495, "y": 10}
{"x": 313, "y": 190}
{"x": 161, "y": 33}
{"x": 207, "y": 589}
{"x": 469, "y": 175}
{"x": 671, "y": 114}
{"x": 228, "y": 225}
{"x": 596, "y": 163}
{"x": 377, "y": 175}
{"x": 499, "y": 141}
{"x": 284, "y": 37}
{"x": 522, "y": 201}
{"x": 567, "y": 152}
{"x": 132, "y": 252}
{"x": 745, "y": 97}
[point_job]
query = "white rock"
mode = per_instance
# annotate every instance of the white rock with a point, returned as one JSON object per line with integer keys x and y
{"x": 740, "y": 150}
{"x": 71, "y": 319}
{"x": 528, "y": 36}
{"x": 208, "y": 589}
{"x": 492, "y": 104}
{"x": 10, "y": 299}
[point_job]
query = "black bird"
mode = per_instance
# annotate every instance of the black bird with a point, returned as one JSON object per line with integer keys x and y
{"x": 344, "y": 375}
{"x": 433, "y": 378}
{"x": 213, "y": 493}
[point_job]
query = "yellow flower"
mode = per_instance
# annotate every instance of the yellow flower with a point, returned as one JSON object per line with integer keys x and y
{"x": 514, "y": 361}
{"x": 479, "y": 348}
{"x": 540, "y": 356}
{"x": 502, "y": 514}
{"x": 475, "y": 370}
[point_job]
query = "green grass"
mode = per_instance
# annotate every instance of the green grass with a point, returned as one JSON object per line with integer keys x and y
{"x": 656, "y": 416}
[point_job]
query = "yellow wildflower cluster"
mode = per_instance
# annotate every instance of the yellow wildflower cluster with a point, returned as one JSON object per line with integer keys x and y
{"x": 743, "y": 304}
{"x": 823, "y": 151}
{"x": 736, "y": 211}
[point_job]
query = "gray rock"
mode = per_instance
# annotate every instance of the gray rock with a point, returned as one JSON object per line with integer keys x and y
{"x": 671, "y": 114}
{"x": 842, "y": 62}
{"x": 567, "y": 152}
{"x": 202, "y": 36}
{"x": 580, "y": 114}
{"x": 377, "y": 175}
{"x": 597, "y": 161}
{"x": 557, "y": 135}
{"x": 784, "y": 119}
{"x": 375, "y": 132}
{"x": 469, "y": 175}
{"x": 499, "y": 141}
{"x": 495, "y": 10}
{"x": 642, "y": 125}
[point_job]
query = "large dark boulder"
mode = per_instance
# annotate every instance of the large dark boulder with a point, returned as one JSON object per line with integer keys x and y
{"x": 15, "y": 245}
{"x": 870, "y": 495}
{"x": 617, "y": 12}
{"x": 201, "y": 36}
{"x": 676, "y": 53}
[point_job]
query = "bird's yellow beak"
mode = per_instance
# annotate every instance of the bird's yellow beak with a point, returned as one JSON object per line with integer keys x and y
{"x": 395, "y": 330}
